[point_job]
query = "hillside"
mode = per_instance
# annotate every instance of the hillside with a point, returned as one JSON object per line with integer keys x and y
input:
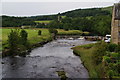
{"x": 72, "y": 13}
{"x": 97, "y": 21}
{"x": 108, "y": 9}
{"x": 88, "y": 12}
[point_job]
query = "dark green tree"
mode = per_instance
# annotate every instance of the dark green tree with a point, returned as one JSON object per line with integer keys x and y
{"x": 23, "y": 35}
{"x": 13, "y": 41}
{"x": 39, "y": 32}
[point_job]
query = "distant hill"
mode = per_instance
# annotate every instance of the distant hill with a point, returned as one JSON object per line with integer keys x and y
{"x": 108, "y": 9}
{"x": 12, "y": 21}
{"x": 88, "y": 12}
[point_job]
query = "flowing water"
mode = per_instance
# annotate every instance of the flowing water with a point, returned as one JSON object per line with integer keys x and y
{"x": 44, "y": 62}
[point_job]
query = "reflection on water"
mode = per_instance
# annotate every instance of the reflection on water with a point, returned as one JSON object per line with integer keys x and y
{"x": 43, "y": 62}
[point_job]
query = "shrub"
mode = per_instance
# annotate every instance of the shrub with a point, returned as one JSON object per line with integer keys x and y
{"x": 118, "y": 48}
{"x": 118, "y": 66}
{"x": 99, "y": 52}
{"x": 106, "y": 59}
{"x": 110, "y": 73}
{"x": 115, "y": 55}
{"x": 112, "y": 47}
{"x": 66, "y": 29}
{"x": 53, "y": 31}
{"x": 39, "y": 32}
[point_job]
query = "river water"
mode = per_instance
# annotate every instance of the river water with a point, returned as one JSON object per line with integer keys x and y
{"x": 44, "y": 62}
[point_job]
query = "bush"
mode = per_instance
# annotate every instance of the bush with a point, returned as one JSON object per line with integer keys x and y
{"x": 100, "y": 51}
{"x": 106, "y": 59}
{"x": 118, "y": 48}
{"x": 112, "y": 47}
{"x": 66, "y": 29}
{"x": 110, "y": 73}
{"x": 39, "y": 32}
{"x": 115, "y": 55}
{"x": 53, "y": 31}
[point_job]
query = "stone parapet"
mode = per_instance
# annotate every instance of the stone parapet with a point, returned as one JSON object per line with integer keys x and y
{"x": 115, "y": 29}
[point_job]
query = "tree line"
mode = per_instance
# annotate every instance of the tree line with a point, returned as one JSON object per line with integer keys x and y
{"x": 94, "y": 20}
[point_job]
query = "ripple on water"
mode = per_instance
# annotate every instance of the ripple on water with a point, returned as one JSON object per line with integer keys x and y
{"x": 43, "y": 62}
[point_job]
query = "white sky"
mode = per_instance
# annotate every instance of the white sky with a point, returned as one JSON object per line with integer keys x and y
{"x": 60, "y": 0}
{"x": 45, "y": 7}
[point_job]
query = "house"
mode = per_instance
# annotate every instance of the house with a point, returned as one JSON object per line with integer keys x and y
{"x": 115, "y": 26}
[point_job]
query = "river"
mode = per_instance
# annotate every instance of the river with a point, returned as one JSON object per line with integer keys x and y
{"x": 44, "y": 62}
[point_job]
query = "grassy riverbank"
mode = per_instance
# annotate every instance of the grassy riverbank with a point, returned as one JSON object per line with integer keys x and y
{"x": 33, "y": 37}
{"x": 71, "y": 32}
{"x": 86, "y": 53}
{"x": 99, "y": 60}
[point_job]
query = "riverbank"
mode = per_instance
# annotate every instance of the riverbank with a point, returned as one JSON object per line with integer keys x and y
{"x": 34, "y": 39}
{"x": 86, "y": 53}
{"x": 54, "y": 60}
{"x": 99, "y": 60}
{"x": 71, "y": 32}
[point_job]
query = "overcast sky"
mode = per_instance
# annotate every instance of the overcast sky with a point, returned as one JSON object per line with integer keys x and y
{"x": 46, "y": 7}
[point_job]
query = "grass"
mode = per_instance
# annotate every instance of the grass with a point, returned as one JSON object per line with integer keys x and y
{"x": 70, "y": 32}
{"x": 33, "y": 36}
{"x": 44, "y": 21}
{"x": 86, "y": 54}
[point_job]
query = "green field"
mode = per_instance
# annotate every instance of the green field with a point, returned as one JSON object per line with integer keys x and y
{"x": 70, "y": 32}
{"x": 33, "y": 36}
{"x": 47, "y": 21}
{"x": 44, "y": 21}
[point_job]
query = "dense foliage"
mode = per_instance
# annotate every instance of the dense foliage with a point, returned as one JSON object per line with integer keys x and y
{"x": 108, "y": 55}
{"x": 17, "y": 41}
{"x": 86, "y": 12}
{"x": 101, "y": 59}
{"x": 8, "y": 21}
{"x": 98, "y": 25}
{"x": 97, "y": 21}
{"x": 51, "y": 30}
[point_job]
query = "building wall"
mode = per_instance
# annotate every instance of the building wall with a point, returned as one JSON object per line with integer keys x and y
{"x": 115, "y": 30}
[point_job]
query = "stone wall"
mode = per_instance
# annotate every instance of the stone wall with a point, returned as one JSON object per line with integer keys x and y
{"x": 115, "y": 29}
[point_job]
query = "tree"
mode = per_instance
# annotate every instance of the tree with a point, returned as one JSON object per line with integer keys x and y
{"x": 23, "y": 35}
{"x": 13, "y": 41}
{"x": 39, "y": 32}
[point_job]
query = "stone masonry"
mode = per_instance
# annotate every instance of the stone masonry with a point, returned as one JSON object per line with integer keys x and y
{"x": 115, "y": 27}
